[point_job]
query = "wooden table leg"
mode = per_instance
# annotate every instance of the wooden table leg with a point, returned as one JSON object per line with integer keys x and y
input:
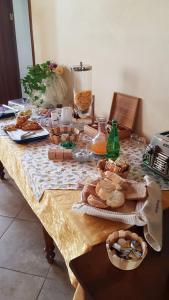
{"x": 49, "y": 247}
{"x": 2, "y": 173}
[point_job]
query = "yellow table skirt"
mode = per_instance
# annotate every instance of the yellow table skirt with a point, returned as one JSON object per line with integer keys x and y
{"x": 73, "y": 234}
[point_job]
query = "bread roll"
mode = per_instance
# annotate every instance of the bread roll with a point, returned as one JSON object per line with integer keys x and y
{"x": 116, "y": 179}
{"x": 96, "y": 202}
{"x": 105, "y": 184}
{"x": 88, "y": 190}
{"x": 115, "y": 199}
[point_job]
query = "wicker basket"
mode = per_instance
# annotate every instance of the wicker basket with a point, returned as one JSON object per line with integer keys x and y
{"x": 119, "y": 262}
{"x": 101, "y": 167}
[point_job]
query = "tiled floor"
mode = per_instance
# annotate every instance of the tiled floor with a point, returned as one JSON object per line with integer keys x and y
{"x": 24, "y": 272}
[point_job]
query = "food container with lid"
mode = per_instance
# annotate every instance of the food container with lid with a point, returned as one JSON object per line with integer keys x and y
{"x": 82, "y": 78}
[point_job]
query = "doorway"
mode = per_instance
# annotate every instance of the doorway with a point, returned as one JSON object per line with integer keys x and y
{"x": 10, "y": 87}
{"x": 16, "y": 47}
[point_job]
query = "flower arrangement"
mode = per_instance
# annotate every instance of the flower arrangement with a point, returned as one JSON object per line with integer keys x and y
{"x": 44, "y": 84}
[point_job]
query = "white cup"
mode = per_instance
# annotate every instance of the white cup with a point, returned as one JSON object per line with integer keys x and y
{"x": 66, "y": 115}
{"x": 54, "y": 115}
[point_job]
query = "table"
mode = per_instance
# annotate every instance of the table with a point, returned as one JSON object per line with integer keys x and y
{"x": 73, "y": 234}
{"x": 101, "y": 280}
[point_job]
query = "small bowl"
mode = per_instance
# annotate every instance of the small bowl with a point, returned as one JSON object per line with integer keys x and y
{"x": 116, "y": 260}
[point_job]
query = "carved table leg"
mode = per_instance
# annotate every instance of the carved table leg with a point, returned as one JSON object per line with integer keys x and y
{"x": 49, "y": 247}
{"x": 2, "y": 173}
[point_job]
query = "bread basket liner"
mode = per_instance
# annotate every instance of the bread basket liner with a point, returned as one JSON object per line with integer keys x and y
{"x": 147, "y": 214}
{"x": 121, "y": 263}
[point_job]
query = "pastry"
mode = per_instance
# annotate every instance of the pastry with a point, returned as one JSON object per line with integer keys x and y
{"x": 20, "y": 120}
{"x": 30, "y": 125}
{"x": 9, "y": 127}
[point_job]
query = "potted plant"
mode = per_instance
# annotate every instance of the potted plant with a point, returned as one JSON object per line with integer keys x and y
{"x": 44, "y": 84}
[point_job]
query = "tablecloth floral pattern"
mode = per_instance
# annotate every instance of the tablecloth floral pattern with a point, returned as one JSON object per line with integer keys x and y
{"x": 44, "y": 174}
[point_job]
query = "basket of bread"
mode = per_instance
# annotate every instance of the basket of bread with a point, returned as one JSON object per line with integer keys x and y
{"x": 126, "y": 250}
{"x": 112, "y": 191}
{"x": 119, "y": 166}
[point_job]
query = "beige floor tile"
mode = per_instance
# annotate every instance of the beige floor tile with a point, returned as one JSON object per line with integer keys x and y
{"x": 11, "y": 200}
{"x": 21, "y": 248}
{"x": 18, "y": 286}
{"x": 52, "y": 290}
{"x": 4, "y": 224}
{"x": 27, "y": 214}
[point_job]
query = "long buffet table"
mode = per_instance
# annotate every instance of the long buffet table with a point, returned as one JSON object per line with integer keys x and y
{"x": 73, "y": 234}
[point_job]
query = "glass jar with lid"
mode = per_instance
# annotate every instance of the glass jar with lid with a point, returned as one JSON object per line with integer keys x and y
{"x": 82, "y": 78}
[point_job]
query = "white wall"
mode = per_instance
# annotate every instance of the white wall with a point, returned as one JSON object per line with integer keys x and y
{"x": 23, "y": 40}
{"x": 126, "y": 42}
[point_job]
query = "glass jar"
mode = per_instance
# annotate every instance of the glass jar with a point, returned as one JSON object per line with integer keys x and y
{"x": 82, "y": 78}
{"x": 99, "y": 142}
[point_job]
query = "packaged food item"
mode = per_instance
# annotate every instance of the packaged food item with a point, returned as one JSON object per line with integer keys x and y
{"x": 60, "y": 154}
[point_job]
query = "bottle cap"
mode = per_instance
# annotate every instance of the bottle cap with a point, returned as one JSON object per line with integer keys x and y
{"x": 114, "y": 121}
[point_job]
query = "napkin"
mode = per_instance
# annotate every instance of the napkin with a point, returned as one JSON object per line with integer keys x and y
{"x": 152, "y": 213}
{"x": 147, "y": 214}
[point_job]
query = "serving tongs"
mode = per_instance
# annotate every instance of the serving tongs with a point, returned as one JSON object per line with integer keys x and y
{"x": 27, "y": 134}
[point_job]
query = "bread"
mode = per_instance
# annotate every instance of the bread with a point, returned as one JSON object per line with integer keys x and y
{"x": 136, "y": 191}
{"x": 115, "y": 199}
{"x": 96, "y": 202}
{"x": 87, "y": 191}
{"x": 106, "y": 185}
{"x": 116, "y": 179}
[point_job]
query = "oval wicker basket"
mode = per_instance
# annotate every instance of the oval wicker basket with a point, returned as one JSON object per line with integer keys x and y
{"x": 119, "y": 262}
{"x": 101, "y": 167}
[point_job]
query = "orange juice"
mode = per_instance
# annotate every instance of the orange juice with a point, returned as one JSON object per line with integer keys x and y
{"x": 99, "y": 147}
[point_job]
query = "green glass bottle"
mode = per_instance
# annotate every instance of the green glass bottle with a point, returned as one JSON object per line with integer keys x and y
{"x": 113, "y": 145}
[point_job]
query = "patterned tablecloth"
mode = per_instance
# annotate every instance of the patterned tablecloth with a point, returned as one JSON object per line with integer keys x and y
{"x": 44, "y": 174}
{"x": 74, "y": 234}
